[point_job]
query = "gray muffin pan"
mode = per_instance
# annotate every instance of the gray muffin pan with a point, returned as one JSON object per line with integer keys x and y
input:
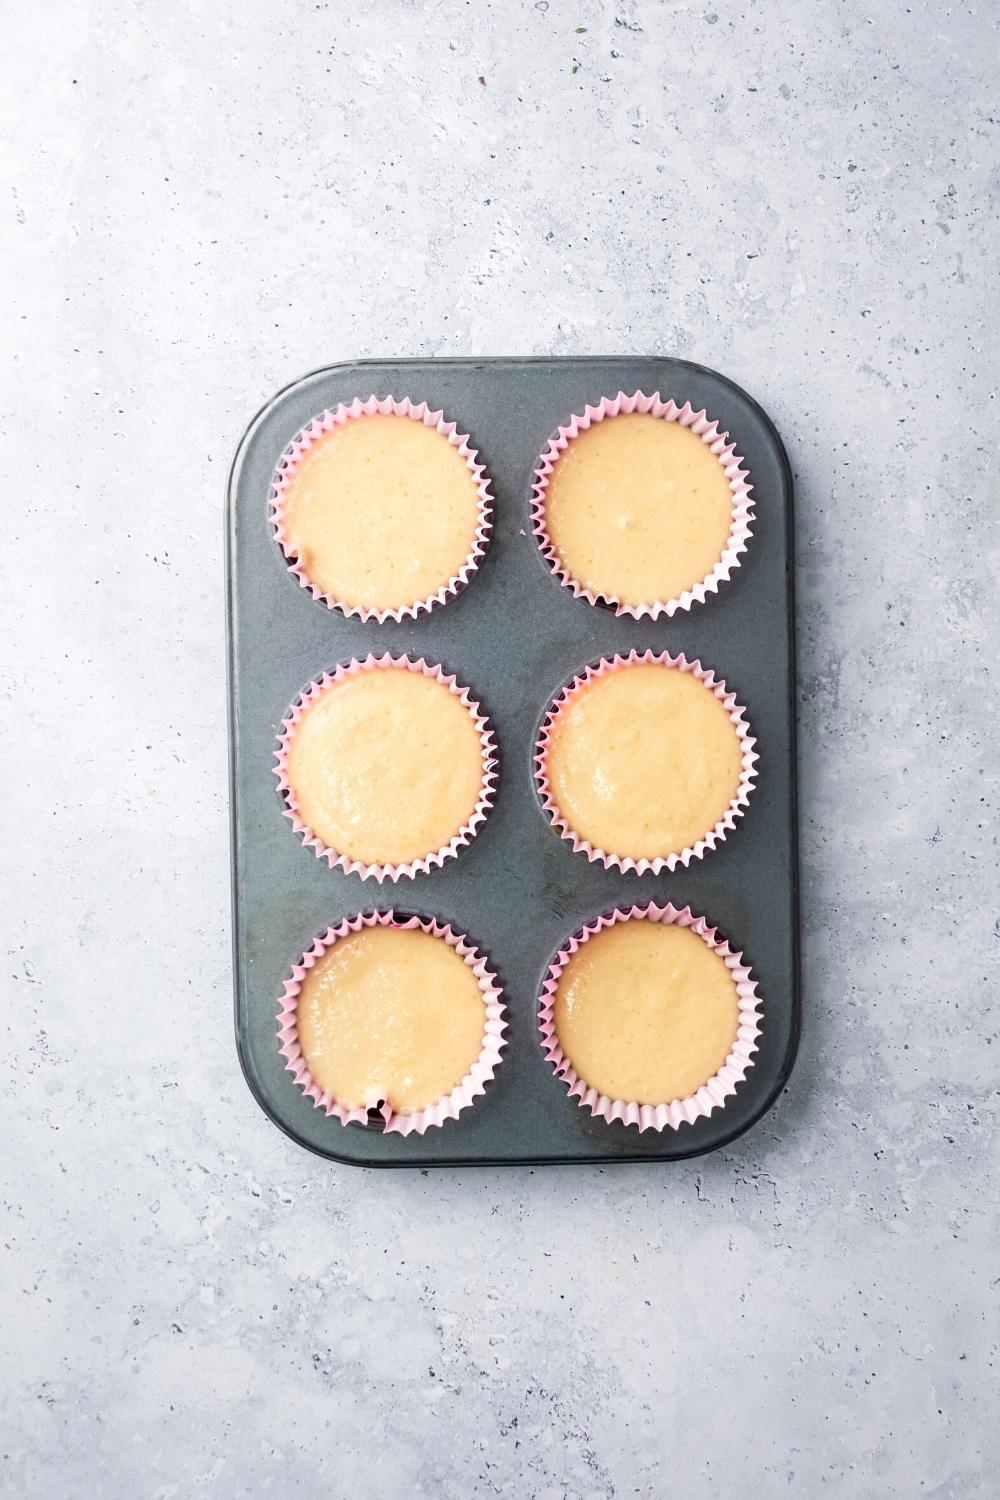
{"x": 514, "y": 635}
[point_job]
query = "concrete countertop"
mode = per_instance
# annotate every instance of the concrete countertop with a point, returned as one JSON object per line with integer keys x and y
{"x": 202, "y": 203}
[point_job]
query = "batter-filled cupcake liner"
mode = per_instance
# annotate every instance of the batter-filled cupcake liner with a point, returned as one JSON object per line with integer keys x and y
{"x": 712, "y": 1094}
{"x": 712, "y": 837}
{"x": 737, "y": 476}
{"x": 433, "y": 859}
{"x": 463, "y": 1095}
{"x": 389, "y": 406}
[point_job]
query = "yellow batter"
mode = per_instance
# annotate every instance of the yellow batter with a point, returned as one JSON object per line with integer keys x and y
{"x": 381, "y": 512}
{"x": 644, "y": 761}
{"x": 390, "y": 1015}
{"x": 645, "y": 1012}
{"x": 386, "y": 766}
{"x": 638, "y": 509}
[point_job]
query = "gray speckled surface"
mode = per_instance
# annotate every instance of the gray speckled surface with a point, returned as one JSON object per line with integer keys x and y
{"x": 205, "y": 201}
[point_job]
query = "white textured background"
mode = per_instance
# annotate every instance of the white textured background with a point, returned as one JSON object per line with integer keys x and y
{"x": 203, "y": 200}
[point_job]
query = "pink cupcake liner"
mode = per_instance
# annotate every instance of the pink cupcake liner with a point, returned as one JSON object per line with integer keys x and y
{"x": 735, "y": 471}
{"x": 419, "y": 412}
{"x": 412, "y": 867}
{"x": 463, "y": 1095}
{"x": 713, "y": 836}
{"x": 711, "y": 1095}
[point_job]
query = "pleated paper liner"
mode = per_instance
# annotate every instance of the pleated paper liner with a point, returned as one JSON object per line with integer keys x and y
{"x": 713, "y": 836}
{"x": 389, "y": 406}
{"x": 434, "y": 858}
{"x": 463, "y": 1096}
{"x": 716, "y": 1090}
{"x": 702, "y": 426}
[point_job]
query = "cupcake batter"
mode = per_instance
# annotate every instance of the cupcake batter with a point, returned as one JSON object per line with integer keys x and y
{"x": 638, "y": 509}
{"x": 386, "y": 766}
{"x": 646, "y": 1012}
{"x": 392, "y": 1015}
{"x": 644, "y": 761}
{"x": 381, "y": 512}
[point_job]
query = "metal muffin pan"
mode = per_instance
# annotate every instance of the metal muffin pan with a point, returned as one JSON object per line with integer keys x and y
{"x": 514, "y": 635}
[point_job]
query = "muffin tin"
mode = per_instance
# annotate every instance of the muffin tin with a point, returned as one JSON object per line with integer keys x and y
{"x": 515, "y": 635}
